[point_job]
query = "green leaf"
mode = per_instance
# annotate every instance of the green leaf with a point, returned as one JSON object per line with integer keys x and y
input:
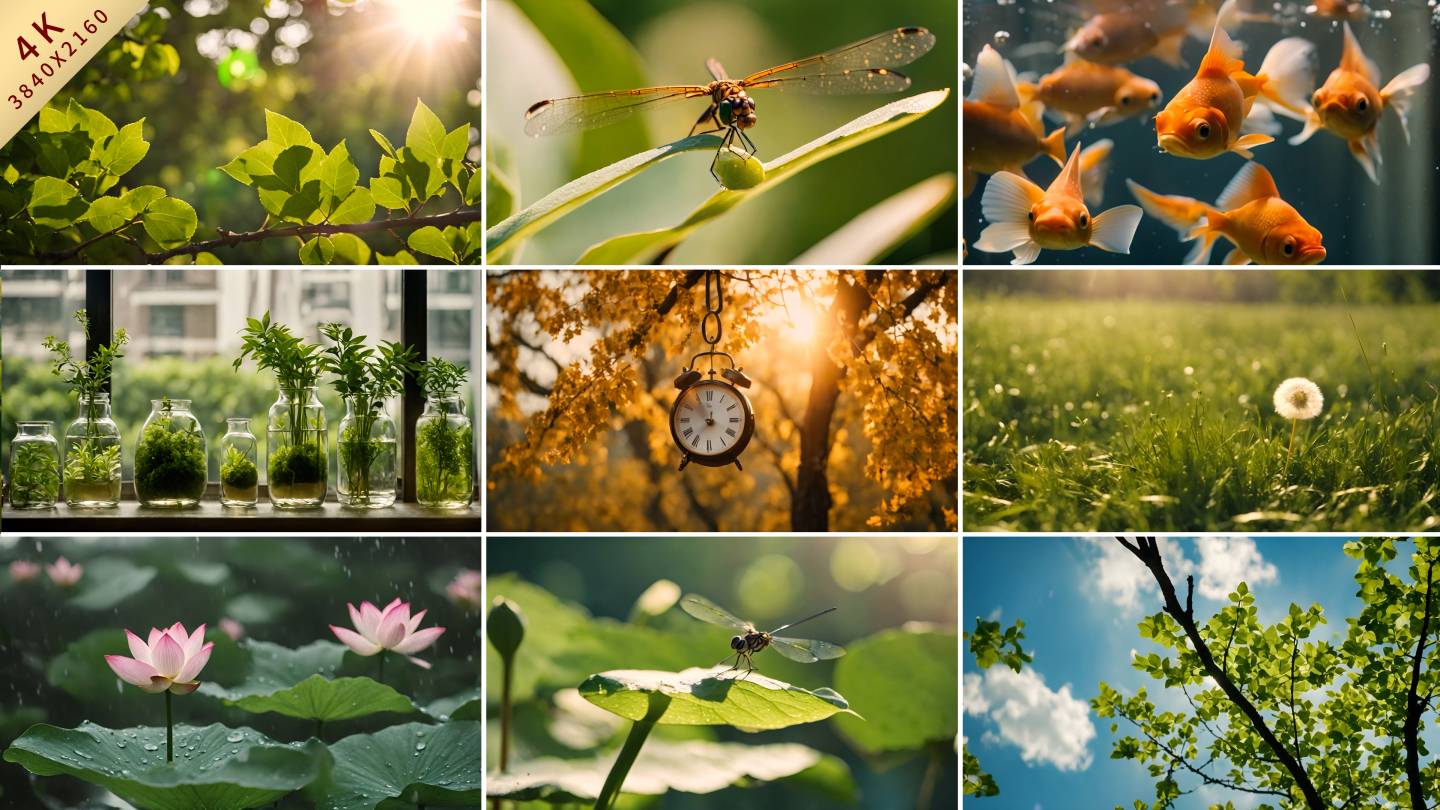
{"x": 431, "y": 241}
{"x": 384, "y": 143}
{"x": 468, "y": 705}
{"x": 426, "y": 136}
{"x": 316, "y": 698}
{"x": 140, "y": 199}
{"x": 389, "y": 192}
{"x": 338, "y": 176}
{"x": 692, "y": 766}
{"x": 317, "y": 251}
{"x": 563, "y": 200}
{"x": 641, "y": 248}
{"x": 285, "y": 133}
{"x": 206, "y": 257}
{"x": 414, "y": 764}
{"x": 250, "y": 771}
{"x": 349, "y": 248}
{"x": 55, "y": 204}
{"x": 109, "y": 213}
{"x": 125, "y": 149}
{"x": 170, "y": 222}
{"x": 830, "y": 777}
{"x": 703, "y": 697}
{"x": 878, "y": 671}
{"x": 108, "y": 580}
{"x": 502, "y": 184}
{"x": 402, "y": 258}
{"x": 357, "y": 208}
{"x": 257, "y": 608}
{"x": 884, "y": 227}
{"x": 424, "y": 178}
{"x": 472, "y": 191}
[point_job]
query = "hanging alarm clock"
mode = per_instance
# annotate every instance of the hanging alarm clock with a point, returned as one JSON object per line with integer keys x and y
{"x": 712, "y": 420}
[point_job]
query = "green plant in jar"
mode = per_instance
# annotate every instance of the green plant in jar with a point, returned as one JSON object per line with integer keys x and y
{"x": 444, "y": 439}
{"x": 238, "y": 472}
{"x": 296, "y": 430}
{"x": 170, "y": 456}
{"x": 365, "y": 377}
{"x": 34, "y": 467}
{"x": 92, "y": 442}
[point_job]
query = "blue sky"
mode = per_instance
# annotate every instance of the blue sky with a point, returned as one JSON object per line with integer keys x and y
{"x": 1080, "y": 600}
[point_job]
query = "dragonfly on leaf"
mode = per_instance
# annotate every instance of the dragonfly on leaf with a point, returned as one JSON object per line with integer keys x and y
{"x": 804, "y": 650}
{"x": 860, "y": 67}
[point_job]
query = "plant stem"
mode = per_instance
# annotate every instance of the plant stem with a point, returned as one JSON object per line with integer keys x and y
{"x": 169, "y": 730}
{"x": 633, "y": 742}
{"x": 1293, "y": 423}
{"x": 505, "y": 713}
{"x": 932, "y": 771}
{"x": 381, "y": 676}
{"x": 320, "y": 729}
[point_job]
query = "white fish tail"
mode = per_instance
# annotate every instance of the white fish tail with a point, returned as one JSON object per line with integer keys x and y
{"x": 1290, "y": 76}
{"x": 1398, "y": 92}
{"x": 1114, "y": 229}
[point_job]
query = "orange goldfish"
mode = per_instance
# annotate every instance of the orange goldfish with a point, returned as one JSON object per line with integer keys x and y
{"x": 1124, "y": 36}
{"x": 1204, "y": 118}
{"x": 1338, "y": 9}
{"x": 1250, "y": 213}
{"x": 1023, "y": 218}
{"x": 1349, "y": 105}
{"x": 1085, "y": 93}
{"x": 1001, "y": 134}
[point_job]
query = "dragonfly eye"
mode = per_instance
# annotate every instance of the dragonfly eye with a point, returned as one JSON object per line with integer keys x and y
{"x": 737, "y": 643}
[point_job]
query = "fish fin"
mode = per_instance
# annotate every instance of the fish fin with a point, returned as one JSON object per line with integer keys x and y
{"x": 1025, "y": 91}
{"x": 1094, "y": 168}
{"x": 1167, "y": 48}
{"x": 971, "y": 178}
{"x": 1200, "y": 253}
{"x": 1374, "y": 144}
{"x": 1003, "y": 236}
{"x": 1034, "y": 114}
{"x": 1262, "y": 120}
{"x": 1312, "y": 126}
{"x": 1008, "y": 199}
{"x": 1358, "y": 148}
{"x": 1026, "y": 254}
{"x": 1180, "y": 213}
{"x": 1055, "y": 145}
{"x": 1200, "y": 21}
{"x": 1068, "y": 180}
{"x": 1251, "y": 183}
{"x": 1242, "y": 146}
{"x": 1249, "y": 85}
{"x": 1222, "y": 49}
{"x": 1114, "y": 229}
{"x": 1237, "y": 257}
{"x": 1289, "y": 74}
{"x": 1354, "y": 60}
{"x": 1075, "y": 123}
{"x": 1015, "y": 169}
{"x": 992, "y": 83}
{"x": 1397, "y": 93}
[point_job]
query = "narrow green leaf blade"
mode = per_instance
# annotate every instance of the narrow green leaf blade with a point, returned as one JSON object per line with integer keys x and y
{"x": 884, "y": 227}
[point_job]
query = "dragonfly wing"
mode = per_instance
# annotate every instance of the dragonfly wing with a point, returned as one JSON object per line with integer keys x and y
{"x": 717, "y": 70}
{"x": 707, "y": 611}
{"x": 573, "y": 113}
{"x": 860, "y": 67}
{"x": 806, "y": 650}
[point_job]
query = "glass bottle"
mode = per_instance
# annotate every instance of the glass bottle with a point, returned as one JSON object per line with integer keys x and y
{"x": 444, "y": 454}
{"x": 34, "y": 467}
{"x": 297, "y": 449}
{"x": 92, "y": 455}
{"x": 170, "y": 466}
{"x": 365, "y": 447}
{"x": 239, "y": 477}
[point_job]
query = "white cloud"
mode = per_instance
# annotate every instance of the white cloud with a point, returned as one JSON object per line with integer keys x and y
{"x": 1048, "y": 727}
{"x": 994, "y": 615}
{"x": 1121, "y": 578}
{"x": 1227, "y": 561}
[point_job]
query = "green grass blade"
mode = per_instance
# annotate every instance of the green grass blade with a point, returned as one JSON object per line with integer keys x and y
{"x": 875, "y": 233}
{"x": 642, "y": 248}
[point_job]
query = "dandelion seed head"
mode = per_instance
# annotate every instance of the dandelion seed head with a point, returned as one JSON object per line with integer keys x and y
{"x": 1298, "y": 398}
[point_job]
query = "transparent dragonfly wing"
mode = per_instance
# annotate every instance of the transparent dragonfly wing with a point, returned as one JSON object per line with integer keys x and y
{"x": 707, "y": 611}
{"x": 806, "y": 650}
{"x": 555, "y": 116}
{"x": 860, "y": 67}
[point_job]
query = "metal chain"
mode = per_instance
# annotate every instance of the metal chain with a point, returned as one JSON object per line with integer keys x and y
{"x": 713, "y": 308}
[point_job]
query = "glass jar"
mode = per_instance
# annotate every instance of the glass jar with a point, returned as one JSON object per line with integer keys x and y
{"x": 444, "y": 454}
{"x": 297, "y": 449}
{"x": 170, "y": 468}
{"x": 365, "y": 447}
{"x": 92, "y": 455}
{"x": 34, "y": 467}
{"x": 239, "y": 477}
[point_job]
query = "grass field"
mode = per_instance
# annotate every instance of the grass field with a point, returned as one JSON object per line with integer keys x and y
{"x": 1157, "y": 416}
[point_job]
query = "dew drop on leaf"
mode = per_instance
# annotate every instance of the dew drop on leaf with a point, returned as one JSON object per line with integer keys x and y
{"x": 236, "y": 737}
{"x": 150, "y": 747}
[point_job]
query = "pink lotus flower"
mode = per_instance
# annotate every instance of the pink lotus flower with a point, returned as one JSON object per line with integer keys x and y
{"x": 170, "y": 660}
{"x": 23, "y": 570}
{"x": 390, "y": 629}
{"x": 235, "y": 630}
{"x": 64, "y": 574}
{"x": 464, "y": 591}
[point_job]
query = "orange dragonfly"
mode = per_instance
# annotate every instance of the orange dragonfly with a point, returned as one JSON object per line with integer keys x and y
{"x": 860, "y": 67}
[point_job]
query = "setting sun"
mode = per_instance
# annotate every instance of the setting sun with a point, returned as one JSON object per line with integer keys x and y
{"x": 427, "y": 19}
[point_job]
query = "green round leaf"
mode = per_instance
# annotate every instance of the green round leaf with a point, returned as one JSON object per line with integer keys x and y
{"x": 319, "y": 250}
{"x": 170, "y": 222}
{"x": 229, "y": 769}
{"x": 108, "y": 580}
{"x": 468, "y": 705}
{"x": 705, "y": 697}
{"x": 412, "y": 764}
{"x": 904, "y": 683}
{"x": 257, "y": 608}
{"x": 318, "y": 699}
{"x": 430, "y": 240}
{"x": 55, "y": 204}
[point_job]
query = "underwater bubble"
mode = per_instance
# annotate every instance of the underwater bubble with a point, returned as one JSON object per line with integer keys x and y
{"x": 236, "y": 737}
{"x": 151, "y": 747}
{"x": 1002, "y": 37}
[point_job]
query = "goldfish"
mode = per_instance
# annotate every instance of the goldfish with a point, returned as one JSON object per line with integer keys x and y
{"x": 1001, "y": 134}
{"x": 1349, "y": 105}
{"x": 1024, "y": 218}
{"x": 1203, "y": 120}
{"x": 1338, "y": 9}
{"x": 1249, "y": 212}
{"x": 1118, "y": 37}
{"x": 1087, "y": 94}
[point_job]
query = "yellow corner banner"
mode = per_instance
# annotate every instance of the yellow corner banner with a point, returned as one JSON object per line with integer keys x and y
{"x": 44, "y": 43}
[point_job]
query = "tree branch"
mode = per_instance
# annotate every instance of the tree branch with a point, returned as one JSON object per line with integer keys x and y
{"x": 1176, "y": 758}
{"x": 1148, "y": 552}
{"x": 229, "y": 239}
{"x": 1413, "y": 705}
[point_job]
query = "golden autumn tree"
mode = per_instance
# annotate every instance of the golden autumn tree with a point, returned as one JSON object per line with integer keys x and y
{"x": 855, "y": 398}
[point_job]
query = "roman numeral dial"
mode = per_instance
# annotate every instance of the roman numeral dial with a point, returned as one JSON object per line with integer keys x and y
{"x": 710, "y": 419}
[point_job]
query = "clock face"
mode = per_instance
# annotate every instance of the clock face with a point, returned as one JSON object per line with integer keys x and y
{"x": 709, "y": 419}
